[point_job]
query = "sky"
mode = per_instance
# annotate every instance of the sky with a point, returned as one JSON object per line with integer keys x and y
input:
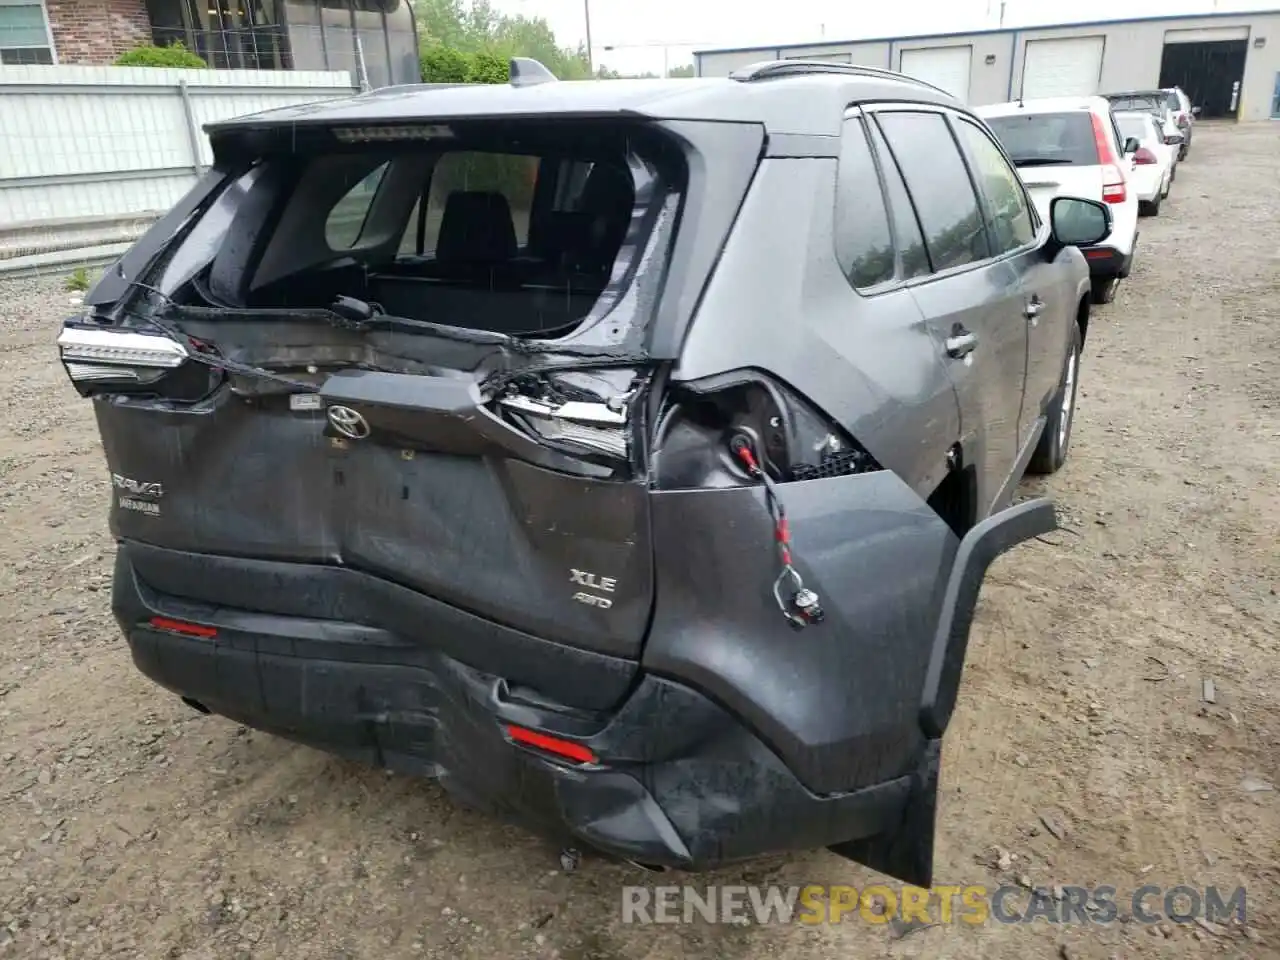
{"x": 643, "y": 33}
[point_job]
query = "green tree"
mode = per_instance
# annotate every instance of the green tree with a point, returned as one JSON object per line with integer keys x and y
{"x": 683, "y": 72}
{"x": 174, "y": 55}
{"x": 475, "y": 28}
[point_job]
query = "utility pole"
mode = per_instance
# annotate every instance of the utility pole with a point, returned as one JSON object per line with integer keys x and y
{"x": 586, "y": 13}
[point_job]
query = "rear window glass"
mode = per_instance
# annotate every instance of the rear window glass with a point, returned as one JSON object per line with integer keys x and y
{"x": 1139, "y": 127}
{"x": 346, "y": 219}
{"x": 1035, "y": 139}
{"x": 524, "y": 231}
{"x": 1147, "y": 104}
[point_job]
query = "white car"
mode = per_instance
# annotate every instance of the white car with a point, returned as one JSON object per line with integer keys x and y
{"x": 1155, "y": 160}
{"x": 1070, "y": 146}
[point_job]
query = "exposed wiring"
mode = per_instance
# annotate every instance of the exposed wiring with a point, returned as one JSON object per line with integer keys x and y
{"x": 802, "y": 606}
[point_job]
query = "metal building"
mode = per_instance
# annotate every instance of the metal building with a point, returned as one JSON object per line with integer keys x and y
{"x": 1228, "y": 63}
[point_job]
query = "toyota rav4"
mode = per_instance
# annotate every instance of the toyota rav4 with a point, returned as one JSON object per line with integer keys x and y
{"x": 626, "y": 455}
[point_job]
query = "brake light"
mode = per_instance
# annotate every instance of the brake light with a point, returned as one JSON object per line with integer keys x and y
{"x": 1144, "y": 156}
{"x": 1114, "y": 188}
{"x": 181, "y": 626}
{"x": 565, "y": 749}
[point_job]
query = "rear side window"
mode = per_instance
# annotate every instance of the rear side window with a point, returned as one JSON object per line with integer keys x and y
{"x": 940, "y": 187}
{"x": 906, "y": 227}
{"x": 1045, "y": 139}
{"x": 345, "y": 222}
{"x": 1011, "y": 225}
{"x": 864, "y": 245}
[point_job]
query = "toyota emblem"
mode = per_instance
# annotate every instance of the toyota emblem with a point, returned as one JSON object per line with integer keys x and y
{"x": 348, "y": 422}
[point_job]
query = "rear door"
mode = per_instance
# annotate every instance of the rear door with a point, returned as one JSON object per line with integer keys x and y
{"x": 1049, "y": 305}
{"x": 973, "y": 300}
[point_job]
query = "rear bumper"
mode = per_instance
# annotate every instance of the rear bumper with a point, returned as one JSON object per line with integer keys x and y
{"x": 678, "y": 781}
{"x": 1107, "y": 262}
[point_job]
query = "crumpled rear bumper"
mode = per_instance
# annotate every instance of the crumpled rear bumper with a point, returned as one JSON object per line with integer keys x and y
{"x": 678, "y": 780}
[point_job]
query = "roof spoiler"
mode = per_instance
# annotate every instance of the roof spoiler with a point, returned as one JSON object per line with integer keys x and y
{"x": 527, "y": 72}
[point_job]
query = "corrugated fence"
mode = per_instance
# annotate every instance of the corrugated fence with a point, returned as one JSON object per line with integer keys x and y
{"x": 91, "y": 155}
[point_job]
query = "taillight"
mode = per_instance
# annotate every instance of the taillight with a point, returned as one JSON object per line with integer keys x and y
{"x": 90, "y": 354}
{"x": 1114, "y": 188}
{"x": 564, "y": 749}
{"x": 1144, "y": 156}
{"x": 590, "y": 427}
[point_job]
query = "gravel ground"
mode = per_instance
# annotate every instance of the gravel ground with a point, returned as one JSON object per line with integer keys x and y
{"x": 131, "y": 826}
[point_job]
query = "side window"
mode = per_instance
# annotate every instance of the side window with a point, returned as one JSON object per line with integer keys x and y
{"x": 1007, "y": 208}
{"x": 940, "y": 187}
{"x": 864, "y": 245}
{"x": 906, "y": 226}
{"x": 510, "y": 175}
{"x": 343, "y": 226}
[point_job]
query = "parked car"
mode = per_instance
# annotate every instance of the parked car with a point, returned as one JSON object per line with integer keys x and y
{"x": 1184, "y": 117}
{"x": 627, "y": 455}
{"x": 1159, "y": 103}
{"x": 1154, "y": 161}
{"x": 1070, "y": 146}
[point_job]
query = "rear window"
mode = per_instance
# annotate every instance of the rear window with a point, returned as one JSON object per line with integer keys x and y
{"x": 1036, "y": 139}
{"x": 1150, "y": 104}
{"x": 1130, "y": 126}
{"x": 525, "y": 230}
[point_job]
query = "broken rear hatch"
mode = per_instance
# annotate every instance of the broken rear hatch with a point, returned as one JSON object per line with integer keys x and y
{"x": 415, "y": 352}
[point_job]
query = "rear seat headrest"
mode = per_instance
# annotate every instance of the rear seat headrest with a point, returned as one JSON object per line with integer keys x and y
{"x": 476, "y": 228}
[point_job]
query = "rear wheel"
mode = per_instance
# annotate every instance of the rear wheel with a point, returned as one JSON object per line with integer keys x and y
{"x": 1149, "y": 208}
{"x": 1051, "y": 452}
{"x": 1103, "y": 289}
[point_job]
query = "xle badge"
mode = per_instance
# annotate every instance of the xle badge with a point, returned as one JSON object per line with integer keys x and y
{"x": 592, "y": 581}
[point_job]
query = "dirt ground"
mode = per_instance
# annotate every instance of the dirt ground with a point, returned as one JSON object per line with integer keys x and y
{"x": 131, "y": 826}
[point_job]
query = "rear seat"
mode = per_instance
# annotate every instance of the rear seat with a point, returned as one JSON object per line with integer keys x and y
{"x": 477, "y": 280}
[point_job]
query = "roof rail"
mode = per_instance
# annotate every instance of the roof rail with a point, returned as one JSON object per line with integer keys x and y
{"x": 527, "y": 72}
{"x": 770, "y": 69}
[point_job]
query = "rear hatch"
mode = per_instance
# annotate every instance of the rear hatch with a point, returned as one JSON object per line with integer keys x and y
{"x": 417, "y": 352}
{"x": 1056, "y": 154}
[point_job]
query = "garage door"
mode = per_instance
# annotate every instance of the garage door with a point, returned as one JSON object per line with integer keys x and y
{"x": 1062, "y": 68}
{"x": 945, "y": 67}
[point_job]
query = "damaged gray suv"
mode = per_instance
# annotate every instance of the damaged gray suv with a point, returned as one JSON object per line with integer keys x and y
{"x": 626, "y": 455}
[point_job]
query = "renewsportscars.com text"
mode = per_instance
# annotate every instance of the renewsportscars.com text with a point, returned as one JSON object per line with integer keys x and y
{"x": 973, "y": 904}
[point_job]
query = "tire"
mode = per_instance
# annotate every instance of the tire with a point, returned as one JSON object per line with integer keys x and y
{"x": 1149, "y": 208}
{"x": 1051, "y": 451}
{"x": 1103, "y": 289}
{"x": 1182, "y": 153}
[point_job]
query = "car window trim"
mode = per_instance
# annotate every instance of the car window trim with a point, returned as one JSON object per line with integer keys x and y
{"x": 895, "y": 106}
{"x": 897, "y": 281}
{"x": 984, "y": 200}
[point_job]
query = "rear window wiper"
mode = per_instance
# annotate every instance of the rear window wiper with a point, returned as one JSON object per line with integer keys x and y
{"x": 1040, "y": 162}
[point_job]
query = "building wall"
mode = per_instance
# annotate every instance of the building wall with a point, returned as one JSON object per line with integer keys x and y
{"x": 987, "y": 81}
{"x": 1131, "y": 57}
{"x": 97, "y": 31}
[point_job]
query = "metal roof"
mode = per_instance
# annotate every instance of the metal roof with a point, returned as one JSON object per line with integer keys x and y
{"x": 776, "y": 48}
{"x": 810, "y": 103}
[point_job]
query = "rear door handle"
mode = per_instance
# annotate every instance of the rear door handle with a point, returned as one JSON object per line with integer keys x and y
{"x": 961, "y": 344}
{"x": 1035, "y": 306}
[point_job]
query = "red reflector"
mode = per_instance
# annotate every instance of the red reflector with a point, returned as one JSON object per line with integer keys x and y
{"x": 1097, "y": 254}
{"x": 561, "y": 748}
{"x": 177, "y": 626}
